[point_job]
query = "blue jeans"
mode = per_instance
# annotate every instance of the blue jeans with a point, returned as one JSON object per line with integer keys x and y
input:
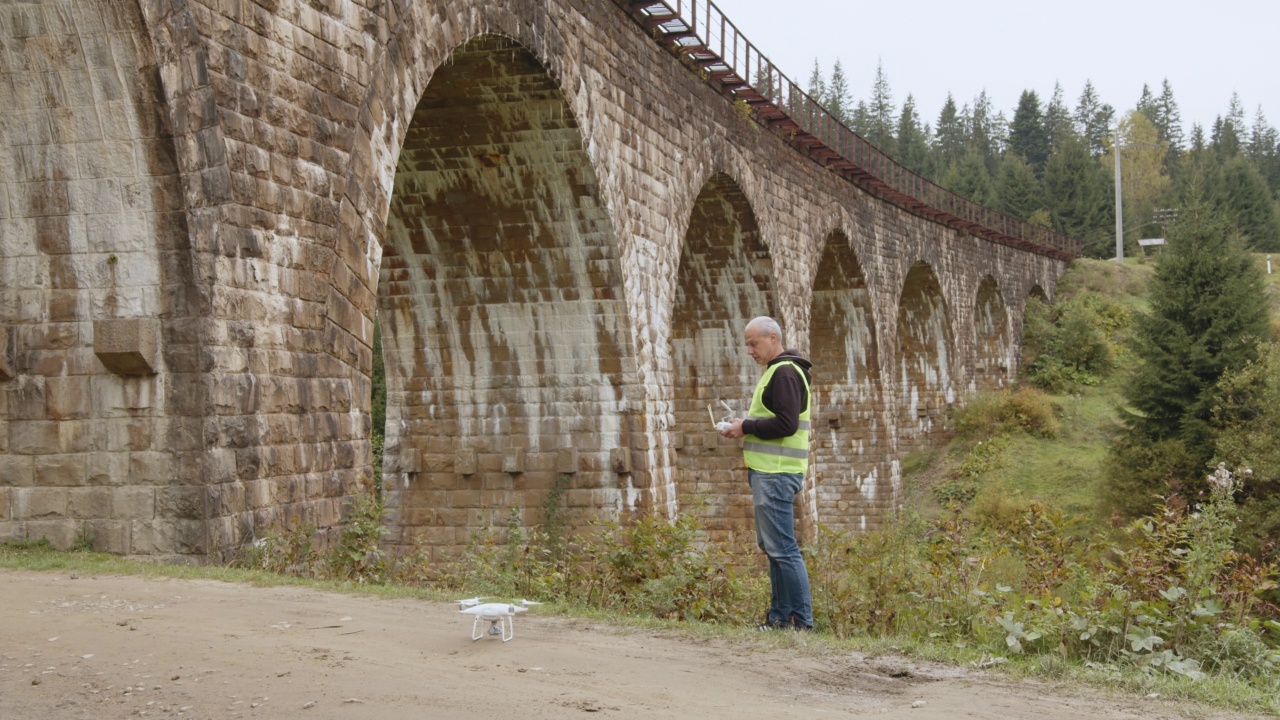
{"x": 773, "y": 495}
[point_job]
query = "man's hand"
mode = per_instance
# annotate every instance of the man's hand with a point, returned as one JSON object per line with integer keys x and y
{"x": 734, "y": 430}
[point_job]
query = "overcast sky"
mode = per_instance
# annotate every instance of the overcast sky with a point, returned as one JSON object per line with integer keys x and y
{"x": 1207, "y": 50}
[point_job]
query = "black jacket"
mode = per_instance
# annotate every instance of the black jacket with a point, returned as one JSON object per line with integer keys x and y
{"x": 785, "y": 396}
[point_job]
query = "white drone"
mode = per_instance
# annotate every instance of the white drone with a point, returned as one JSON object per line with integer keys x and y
{"x": 501, "y": 616}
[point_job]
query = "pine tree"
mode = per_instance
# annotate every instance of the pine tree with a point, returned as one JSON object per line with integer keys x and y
{"x": 1147, "y": 103}
{"x": 1168, "y": 120}
{"x": 1248, "y": 204}
{"x": 1208, "y": 311}
{"x": 1057, "y": 117}
{"x": 1078, "y": 193}
{"x": 1017, "y": 191}
{"x": 1198, "y": 144}
{"x": 983, "y": 131}
{"x": 817, "y": 85}
{"x": 838, "y": 99}
{"x": 969, "y": 178}
{"x": 881, "y": 113}
{"x": 1225, "y": 139}
{"x": 1028, "y": 137}
{"x": 861, "y": 121}
{"x": 1235, "y": 113}
{"x": 1264, "y": 150}
{"x": 913, "y": 143}
{"x": 949, "y": 138}
{"x": 1094, "y": 119}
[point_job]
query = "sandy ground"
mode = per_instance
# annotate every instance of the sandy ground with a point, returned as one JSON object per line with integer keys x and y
{"x": 109, "y": 647}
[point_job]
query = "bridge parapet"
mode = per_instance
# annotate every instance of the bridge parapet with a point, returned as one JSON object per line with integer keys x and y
{"x": 706, "y": 41}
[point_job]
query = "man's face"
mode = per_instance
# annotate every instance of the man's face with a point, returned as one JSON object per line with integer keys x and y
{"x": 761, "y": 346}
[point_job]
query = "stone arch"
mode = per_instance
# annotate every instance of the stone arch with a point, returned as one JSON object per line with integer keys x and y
{"x": 990, "y": 335}
{"x": 724, "y": 280}
{"x": 506, "y": 341}
{"x": 94, "y": 259}
{"x": 1036, "y": 295}
{"x": 851, "y": 449}
{"x": 925, "y": 357}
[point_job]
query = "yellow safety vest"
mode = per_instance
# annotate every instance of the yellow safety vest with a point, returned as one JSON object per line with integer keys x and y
{"x": 783, "y": 455}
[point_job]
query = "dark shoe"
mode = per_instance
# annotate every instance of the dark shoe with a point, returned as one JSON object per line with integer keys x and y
{"x": 798, "y": 625}
{"x": 772, "y": 625}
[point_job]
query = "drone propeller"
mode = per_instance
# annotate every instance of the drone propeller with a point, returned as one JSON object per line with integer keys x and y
{"x": 471, "y": 602}
{"x": 527, "y": 603}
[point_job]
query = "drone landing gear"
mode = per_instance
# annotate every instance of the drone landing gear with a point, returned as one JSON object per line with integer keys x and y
{"x": 504, "y": 628}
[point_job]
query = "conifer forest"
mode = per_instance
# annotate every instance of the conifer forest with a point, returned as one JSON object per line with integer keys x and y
{"x": 1050, "y": 160}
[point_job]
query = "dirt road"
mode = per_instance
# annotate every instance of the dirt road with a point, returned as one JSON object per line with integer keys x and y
{"x": 110, "y": 647}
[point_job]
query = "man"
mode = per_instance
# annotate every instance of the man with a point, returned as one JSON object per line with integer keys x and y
{"x": 775, "y": 449}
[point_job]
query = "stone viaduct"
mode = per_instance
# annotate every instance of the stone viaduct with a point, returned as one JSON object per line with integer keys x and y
{"x": 562, "y": 211}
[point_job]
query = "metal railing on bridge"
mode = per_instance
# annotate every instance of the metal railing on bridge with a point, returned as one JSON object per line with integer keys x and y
{"x": 709, "y": 43}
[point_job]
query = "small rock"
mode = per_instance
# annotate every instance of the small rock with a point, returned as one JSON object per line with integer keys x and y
{"x": 309, "y": 704}
{"x": 919, "y": 704}
{"x": 1152, "y": 696}
{"x": 175, "y": 677}
{"x": 353, "y": 700}
{"x": 122, "y": 623}
{"x": 75, "y": 576}
{"x": 35, "y": 681}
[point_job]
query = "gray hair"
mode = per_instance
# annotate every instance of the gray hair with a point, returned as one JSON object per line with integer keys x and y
{"x": 767, "y": 325}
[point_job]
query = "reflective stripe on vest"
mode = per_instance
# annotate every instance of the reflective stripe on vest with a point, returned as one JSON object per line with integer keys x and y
{"x": 783, "y": 455}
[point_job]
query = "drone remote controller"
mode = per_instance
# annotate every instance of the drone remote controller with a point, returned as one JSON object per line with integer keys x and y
{"x": 723, "y": 425}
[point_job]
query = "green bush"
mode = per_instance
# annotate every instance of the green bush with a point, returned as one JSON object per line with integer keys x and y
{"x": 646, "y": 564}
{"x": 1007, "y": 411}
{"x": 1139, "y": 474}
{"x": 1246, "y": 426}
{"x": 354, "y": 554}
{"x": 1075, "y": 342}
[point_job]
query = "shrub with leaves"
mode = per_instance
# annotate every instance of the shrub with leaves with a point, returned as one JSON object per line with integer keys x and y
{"x": 1246, "y": 427}
{"x": 1004, "y": 412}
{"x": 1076, "y": 346}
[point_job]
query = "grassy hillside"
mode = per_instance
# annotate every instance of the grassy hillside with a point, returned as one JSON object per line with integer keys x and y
{"x": 1064, "y": 471}
{"x": 1061, "y": 471}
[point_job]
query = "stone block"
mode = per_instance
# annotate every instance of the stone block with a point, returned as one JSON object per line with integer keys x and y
{"x": 5, "y": 503}
{"x": 67, "y": 398}
{"x": 465, "y": 462}
{"x": 40, "y": 503}
{"x": 60, "y": 470}
{"x": 60, "y": 533}
{"x": 513, "y": 460}
{"x": 90, "y": 503}
{"x": 620, "y": 460}
{"x": 17, "y": 470}
{"x": 150, "y": 468}
{"x": 407, "y": 461}
{"x": 182, "y": 502}
{"x": 127, "y": 346}
{"x": 109, "y": 536}
{"x": 133, "y": 503}
{"x": 168, "y": 537}
{"x": 567, "y": 460}
{"x": 106, "y": 468}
